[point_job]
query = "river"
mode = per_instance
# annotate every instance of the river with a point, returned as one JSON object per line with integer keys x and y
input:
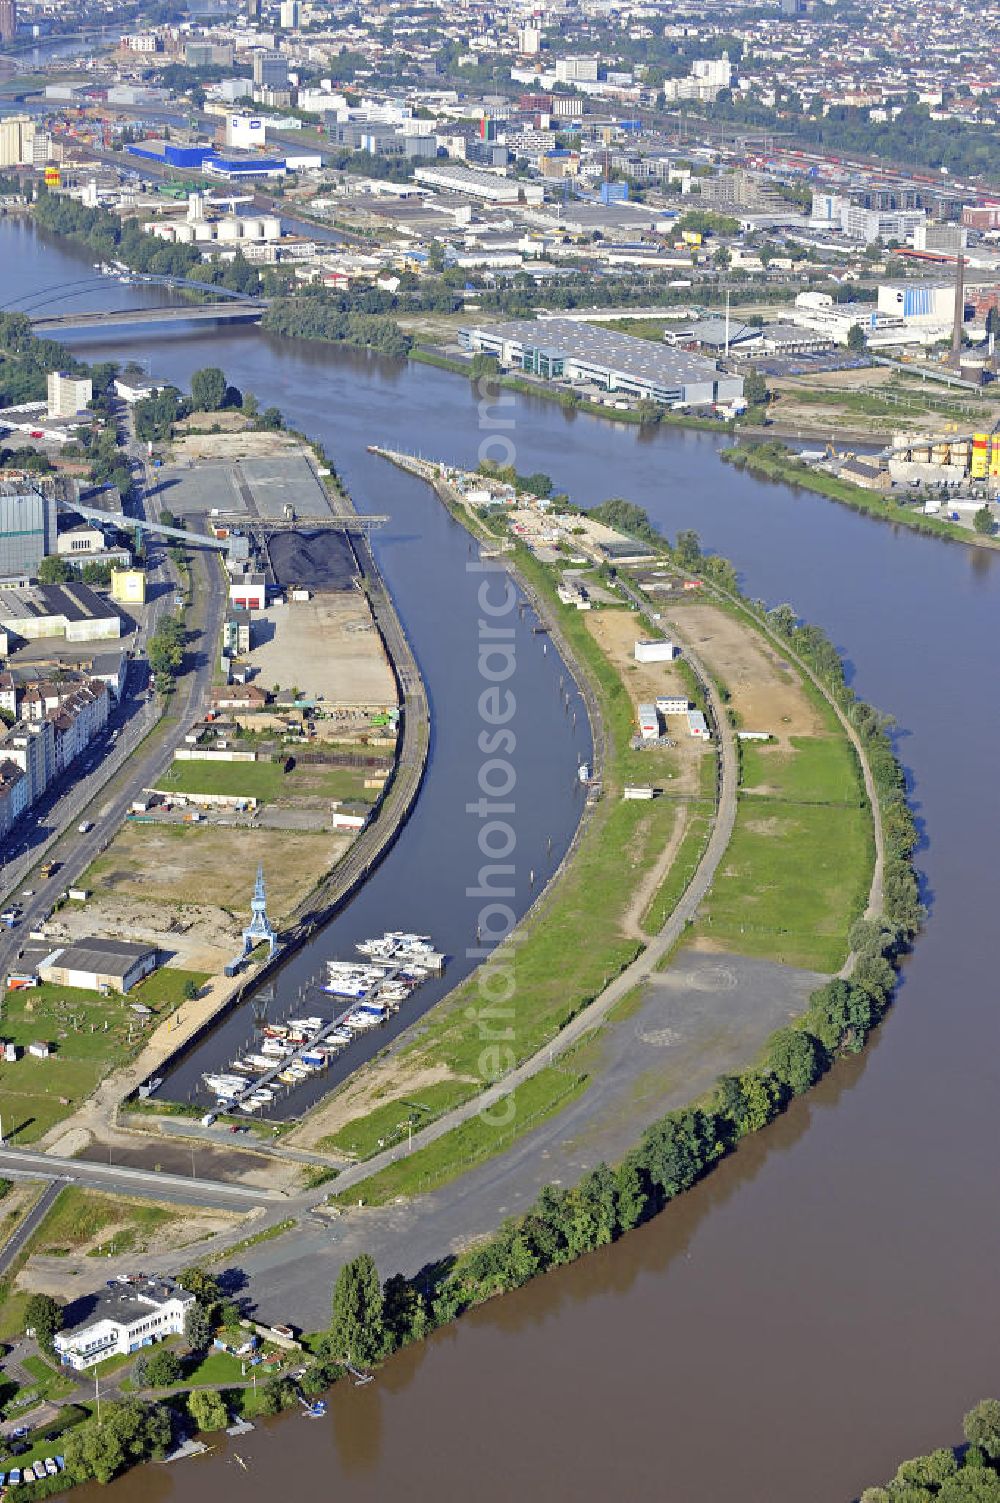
{"x": 823, "y": 1305}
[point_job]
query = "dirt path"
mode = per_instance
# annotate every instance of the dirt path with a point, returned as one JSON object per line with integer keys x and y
{"x": 643, "y": 895}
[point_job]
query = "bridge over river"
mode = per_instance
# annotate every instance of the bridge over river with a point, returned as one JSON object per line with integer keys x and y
{"x": 222, "y": 312}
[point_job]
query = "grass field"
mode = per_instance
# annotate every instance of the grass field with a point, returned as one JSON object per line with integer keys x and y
{"x": 78, "y": 1217}
{"x": 682, "y": 869}
{"x": 90, "y": 1035}
{"x": 816, "y": 770}
{"x": 794, "y": 879}
{"x": 390, "y": 1123}
{"x": 267, "y": 781}
{"x": 458, "y": 1150}
{"x": 50, "y": 1384}
{"x": 216, "y": 1367}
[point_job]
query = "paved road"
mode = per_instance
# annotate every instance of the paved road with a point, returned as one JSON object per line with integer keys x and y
{"x": 116, "y": 773}
{"x": 34, "y": 1218}
{"x": 119, "y": 1179}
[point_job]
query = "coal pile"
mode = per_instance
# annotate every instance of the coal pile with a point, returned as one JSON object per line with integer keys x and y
{"x": 317, "y": 561}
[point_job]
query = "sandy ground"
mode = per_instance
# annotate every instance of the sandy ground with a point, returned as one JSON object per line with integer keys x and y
{"x": 873, "y": 381}
{"x": 615, "y": 631}
{"x": 327, "y": 646}
{"x": 184, "y": 865}
{"x": 232, "y": 445}
{"x": 766, "y": 694}
{"x": 199, "y": 937}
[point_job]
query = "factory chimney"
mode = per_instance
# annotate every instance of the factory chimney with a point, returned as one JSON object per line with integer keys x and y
{"x": 956, "y": 333}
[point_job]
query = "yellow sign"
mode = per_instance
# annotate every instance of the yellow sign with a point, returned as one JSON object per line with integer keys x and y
{"x": 53, "y": 177}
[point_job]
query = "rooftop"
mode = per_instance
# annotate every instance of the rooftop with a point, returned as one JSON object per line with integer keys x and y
{"x": 607, "y": 350}
{"x": 109, "y": 957}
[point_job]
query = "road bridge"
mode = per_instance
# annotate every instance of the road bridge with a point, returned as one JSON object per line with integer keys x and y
{"x": 221, "y": 312}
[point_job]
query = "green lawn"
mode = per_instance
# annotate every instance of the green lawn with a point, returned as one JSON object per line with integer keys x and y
{"x": 816, "y": 770}
{"x": 388, "y": 1124}
{"x": 794, "y": 879}
{"x": 78, "y": 1216}
{"x": 90, "y": 1035}
{"x": 267, "y": 781}
{"x": 458, "y": 1150}
{"x": 216, "y": 1367}
{"x": 51, "y": 1384}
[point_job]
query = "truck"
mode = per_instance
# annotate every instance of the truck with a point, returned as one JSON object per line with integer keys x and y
{"x": 85, "y": 826}
{"x": 49, "y": 868}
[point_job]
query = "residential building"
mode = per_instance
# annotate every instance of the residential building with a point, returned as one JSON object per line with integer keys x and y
{"x": 13, "y": 795}
{"x": 31, "y": 746}
{"x": 68, "y": 395}
{"x": 130, "y": 1313}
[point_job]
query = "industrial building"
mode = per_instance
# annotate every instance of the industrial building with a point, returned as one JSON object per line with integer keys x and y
{"x": 27, "y": 523}
{"x": 73, "y": 611}
{"x": 128, "y": 1314}
{"x": 919, "y": 303}
{"x": 562, "y": 349}
{"x": 205, "y": 158}
{"x": 649, "y": 722}
{"x": 99, "y": 965}
{"x": 490, "y": 187}
{"x": 249, "y": 592}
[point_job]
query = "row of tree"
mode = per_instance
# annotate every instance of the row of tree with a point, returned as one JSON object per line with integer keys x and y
{"x": 110, "y": 238}
{"x": 971, "y": 1475}
{"x": 318, "y": 317}
{"x": 371, "y": 1320}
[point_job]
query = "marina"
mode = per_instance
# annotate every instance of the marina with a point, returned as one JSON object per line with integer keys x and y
{"x": 290, "y": 1053}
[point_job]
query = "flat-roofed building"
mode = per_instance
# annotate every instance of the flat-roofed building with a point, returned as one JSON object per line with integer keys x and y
{"x": 96, "y": 965}
{"x": 129, "y": 1314}
{"x": 563, "y": 349}
{"x": 27, "y": 523}
{"x": 68, "y": 394}
{"x": 73, "y": 611}
{"x": 489, "y": 187}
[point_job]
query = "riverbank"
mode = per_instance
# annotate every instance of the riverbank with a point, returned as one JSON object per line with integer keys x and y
{"x": 617, "y": 412}
{"x": 672, "y": 1155}
{"x": 434, "y": 1157}
{"x": 765, "y": 459}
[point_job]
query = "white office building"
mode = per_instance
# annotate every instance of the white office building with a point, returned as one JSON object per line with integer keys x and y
{"x": 130, "y": 1314}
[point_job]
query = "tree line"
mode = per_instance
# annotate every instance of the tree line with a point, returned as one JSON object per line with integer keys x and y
{"x": 371, "y": 1320}
{"x": 320, "y": 316}
{"x": 970, "y": 1474}
{"x": 109, "y": 237}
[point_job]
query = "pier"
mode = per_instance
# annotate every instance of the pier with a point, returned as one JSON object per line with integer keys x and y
{"x": 393, "y": 974}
